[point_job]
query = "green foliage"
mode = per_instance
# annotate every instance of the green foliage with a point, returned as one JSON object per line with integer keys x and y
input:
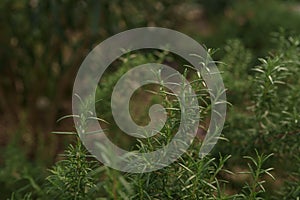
{"x": 255, "y": 188}
{"x": 42, "y": 44}
{"x": 72, "y": 178}
{"x": 18, "y": 176}
{"x": 190, "y": 177}
{"x": 267, "y": 118}
{"x": 235, "y": 71}
{"x": 264, "y": 115}
{"x": 249, "y": 21}
{"x": 275, "y": 106}
{"x": 291, "y": 189}
{"x": 270, "y": 76}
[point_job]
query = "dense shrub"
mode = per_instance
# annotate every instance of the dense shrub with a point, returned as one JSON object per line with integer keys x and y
{"x": 260, "y": 124}
{"x": 42, "y": 45}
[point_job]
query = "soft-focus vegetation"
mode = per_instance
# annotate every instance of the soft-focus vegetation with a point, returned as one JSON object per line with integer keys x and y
{"x": 256, "y": 45}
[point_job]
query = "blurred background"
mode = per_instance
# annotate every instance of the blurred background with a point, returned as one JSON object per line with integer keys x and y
{"x": 43, "y": 43}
